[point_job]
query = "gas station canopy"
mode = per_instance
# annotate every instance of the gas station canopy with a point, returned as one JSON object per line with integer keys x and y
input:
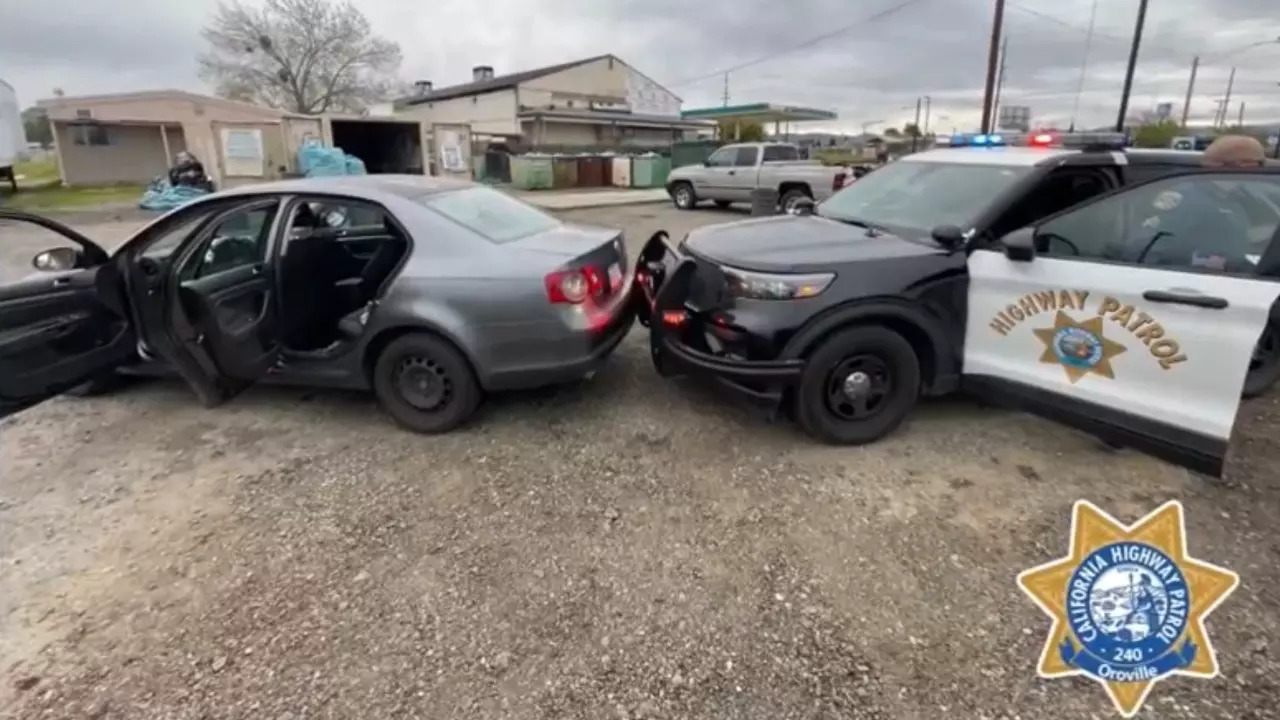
{"x": 759, "y": 113}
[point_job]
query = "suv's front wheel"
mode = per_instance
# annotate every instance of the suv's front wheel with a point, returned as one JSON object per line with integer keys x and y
{"x": 858, "y": 386}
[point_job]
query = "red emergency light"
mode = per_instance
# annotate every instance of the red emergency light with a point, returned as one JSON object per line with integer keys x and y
{"x": 1041, "y": 140}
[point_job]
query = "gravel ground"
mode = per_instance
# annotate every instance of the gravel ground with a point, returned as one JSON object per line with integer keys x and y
{"x": 626, "y": 548}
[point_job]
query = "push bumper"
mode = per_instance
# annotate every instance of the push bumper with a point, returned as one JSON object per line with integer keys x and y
{"x": 682, "y": 336}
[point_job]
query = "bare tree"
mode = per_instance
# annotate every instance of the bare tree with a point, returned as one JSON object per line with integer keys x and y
{"x": 306, "y": 56}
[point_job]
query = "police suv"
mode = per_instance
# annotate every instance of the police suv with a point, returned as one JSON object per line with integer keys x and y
{"x": 1120, "y": 291}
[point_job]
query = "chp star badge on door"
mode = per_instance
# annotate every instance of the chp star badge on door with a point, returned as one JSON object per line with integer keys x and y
{"x": 1079, "y": 347}
{"x": 1128, "y": 604}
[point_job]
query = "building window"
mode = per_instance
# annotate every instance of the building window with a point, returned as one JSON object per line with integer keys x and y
{"x": 94, "y": 135}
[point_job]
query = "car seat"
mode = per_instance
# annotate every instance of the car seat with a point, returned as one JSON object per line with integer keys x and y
{"x": 383, "y": 262}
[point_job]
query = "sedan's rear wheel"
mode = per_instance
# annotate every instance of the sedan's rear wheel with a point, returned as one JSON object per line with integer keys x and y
{"x": 425, "y": 384}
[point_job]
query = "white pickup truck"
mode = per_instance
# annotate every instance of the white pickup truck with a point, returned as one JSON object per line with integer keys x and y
{"x": 733, "y": 171}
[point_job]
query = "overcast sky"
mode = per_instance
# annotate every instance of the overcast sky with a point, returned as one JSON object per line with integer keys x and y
{"x": 873, "y": 71}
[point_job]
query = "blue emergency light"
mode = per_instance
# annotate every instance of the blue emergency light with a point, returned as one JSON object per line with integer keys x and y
{"x": 979, "y": 140}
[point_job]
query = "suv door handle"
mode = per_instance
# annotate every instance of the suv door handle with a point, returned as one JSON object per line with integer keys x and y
{"x": 1205, "y": 301}
{"x": 62, "y": 281}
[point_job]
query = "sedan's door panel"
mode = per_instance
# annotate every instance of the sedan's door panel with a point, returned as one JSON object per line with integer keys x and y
{"x": 235, "y": 310}
{"x": 56, "y": 332}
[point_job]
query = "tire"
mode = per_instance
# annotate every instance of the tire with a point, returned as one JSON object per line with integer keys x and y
{"x": 827, "y": 415}
{"x": 789, "y": 198}
{"x": 723, "y": 204}
{"x": 1264, "y": 366}
{"x": 100, "y": 385}
{"x": 683, "y": 196}
{"x": 425, "y": 384}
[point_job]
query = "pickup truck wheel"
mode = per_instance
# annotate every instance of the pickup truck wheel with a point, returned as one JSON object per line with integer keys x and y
{"x": 858, "y": 386}
{"x": 789, "y": 199}
{"x": 682, "y": 195}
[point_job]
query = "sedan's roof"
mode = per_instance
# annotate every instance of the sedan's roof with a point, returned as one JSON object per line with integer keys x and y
{"x": 369, "y": 187}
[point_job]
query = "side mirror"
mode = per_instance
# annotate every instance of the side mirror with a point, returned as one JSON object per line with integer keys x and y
{"x": 948, "y": 236}
{"x": 1020, "y": 245}
{"x": 57, "y": 260}
{"x": 706, "y": 163}
{"x": 803, "y": 206}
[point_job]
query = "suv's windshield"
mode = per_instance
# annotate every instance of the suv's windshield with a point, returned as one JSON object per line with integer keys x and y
{"x": 493, "y": 214}
{"x": 921, "y": 195}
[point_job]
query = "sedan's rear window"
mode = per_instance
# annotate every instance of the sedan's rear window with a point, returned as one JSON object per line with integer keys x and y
{"x": 493, "y": 214}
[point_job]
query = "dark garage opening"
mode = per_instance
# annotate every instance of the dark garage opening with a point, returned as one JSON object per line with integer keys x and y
{"x": 385, "y": 146}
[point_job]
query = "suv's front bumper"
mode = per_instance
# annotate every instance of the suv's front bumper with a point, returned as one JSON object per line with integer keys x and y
{"x": 688, "y": 336}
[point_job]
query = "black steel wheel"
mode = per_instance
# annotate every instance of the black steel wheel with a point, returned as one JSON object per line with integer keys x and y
{"x": 858, "y": 386}
{"x": 425, "y": 383}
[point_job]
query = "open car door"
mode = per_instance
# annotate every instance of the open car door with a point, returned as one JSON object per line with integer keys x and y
{"x": 63, "y": 325}
{"x": 1126, "y": 319}
{"x": 215, "y": 307}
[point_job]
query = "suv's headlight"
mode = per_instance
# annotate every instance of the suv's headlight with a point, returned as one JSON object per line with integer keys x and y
{"x": 768, "y": 286}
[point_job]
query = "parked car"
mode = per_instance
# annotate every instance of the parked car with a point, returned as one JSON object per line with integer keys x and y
{"x": 732, "y": 172}
{"x": 429, "y": 292}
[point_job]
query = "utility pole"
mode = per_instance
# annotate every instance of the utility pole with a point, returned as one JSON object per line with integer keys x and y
{"x": 1240, "y": 122}
{"x": 1133, "y": 63}
{"x": 928, "y": 104}
{"x": 916, "y": 126}
{"x": 1226, "y": 102}
{"x": 1084, "y": 66}
{"x": 726, "y": 89}
{"x": 993, "y": 60}
{"x": 995, "y": 103}
{"x": 1191, "y": 87}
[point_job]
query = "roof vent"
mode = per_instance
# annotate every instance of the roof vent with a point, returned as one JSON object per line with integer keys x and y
{"x": 422, "y": 87}
{"x": 481, "y": 72}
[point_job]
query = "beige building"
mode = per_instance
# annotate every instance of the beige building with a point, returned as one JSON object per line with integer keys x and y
{"x": 592, "y": 103}
{"x": 132, "y": 138}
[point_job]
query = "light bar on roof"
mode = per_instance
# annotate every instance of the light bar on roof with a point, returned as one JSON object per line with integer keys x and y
{"x": 978, "y": 140}
{"x": 1109, "y": 141}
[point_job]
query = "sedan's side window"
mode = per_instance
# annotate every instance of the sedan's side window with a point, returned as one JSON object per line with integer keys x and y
{"x": 1218, "y": 222}
{"x": 238, "y": 240}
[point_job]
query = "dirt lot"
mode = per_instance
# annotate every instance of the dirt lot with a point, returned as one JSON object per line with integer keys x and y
{"x": 627, "y": 548}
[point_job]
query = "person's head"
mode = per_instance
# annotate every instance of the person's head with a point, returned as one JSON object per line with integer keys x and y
{"x": 1235, "y": 151}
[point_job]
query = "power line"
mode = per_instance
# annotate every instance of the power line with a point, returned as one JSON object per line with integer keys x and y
{"x": 904, "y": 4}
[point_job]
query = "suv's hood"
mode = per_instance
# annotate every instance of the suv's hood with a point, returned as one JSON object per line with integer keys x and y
{"x": 803, "y": 243}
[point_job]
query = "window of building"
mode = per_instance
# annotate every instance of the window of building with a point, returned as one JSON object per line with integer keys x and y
{"x": 95, "y": 135}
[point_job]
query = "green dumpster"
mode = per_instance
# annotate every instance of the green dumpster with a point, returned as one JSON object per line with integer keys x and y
{"x": 692, "y": 152}
{"x": 564, "y": 171}
{"x": 650, "y": 171}
{"x": 532, "y": 172}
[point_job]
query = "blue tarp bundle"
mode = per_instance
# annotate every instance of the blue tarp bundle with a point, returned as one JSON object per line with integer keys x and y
{"x": 162, "y": 196}
{"x": 316, "y": 160}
